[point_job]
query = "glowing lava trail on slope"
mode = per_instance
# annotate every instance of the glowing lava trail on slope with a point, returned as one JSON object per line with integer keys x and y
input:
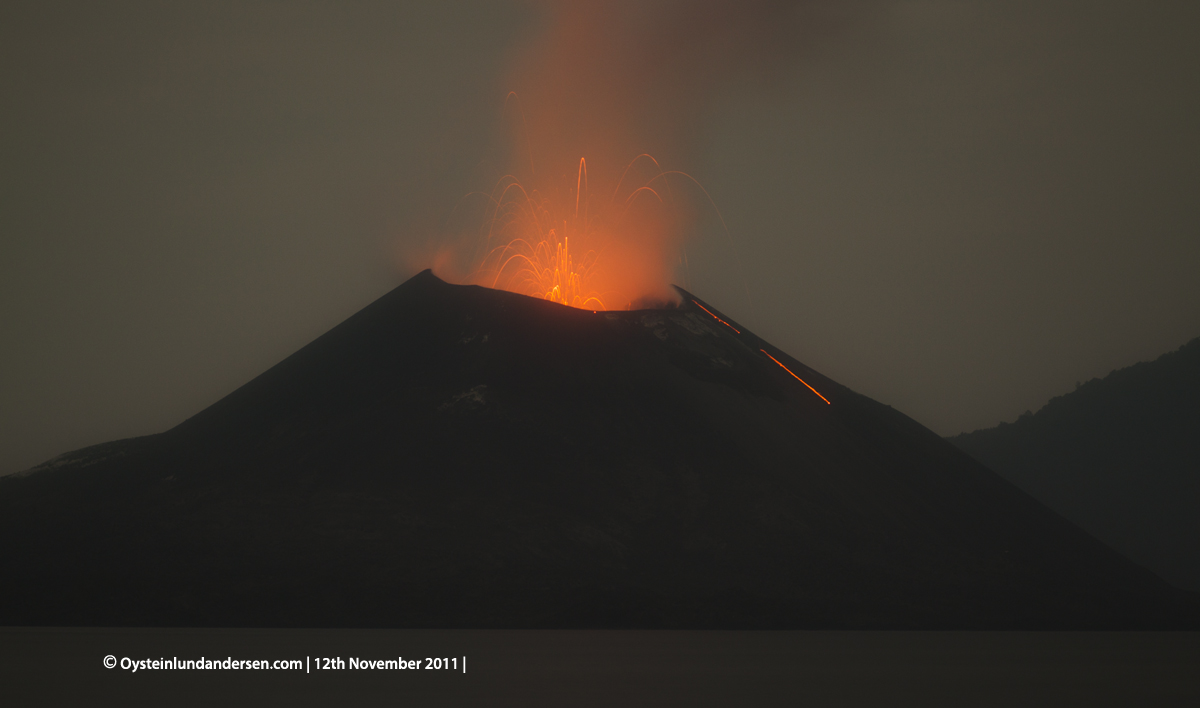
{"x": 764, "y": 351}
{"x": 810, "y": 388}
{"x": 718, "y": 319}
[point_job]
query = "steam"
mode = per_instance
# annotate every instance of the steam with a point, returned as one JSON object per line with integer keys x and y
{"x": 609, "y": 82}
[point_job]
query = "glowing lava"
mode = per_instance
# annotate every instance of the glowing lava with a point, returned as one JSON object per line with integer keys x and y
{"x": 534, "y": 254}
{"x": 810, "y": 388}
{"x": 718, "y": 319}
{"x": 558, "y": 245}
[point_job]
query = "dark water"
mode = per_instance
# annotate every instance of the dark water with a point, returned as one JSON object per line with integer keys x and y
{"x": 609, "y": 668}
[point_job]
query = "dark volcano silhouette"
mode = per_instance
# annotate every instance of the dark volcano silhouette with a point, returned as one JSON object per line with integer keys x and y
{"x": 453, "y": 456}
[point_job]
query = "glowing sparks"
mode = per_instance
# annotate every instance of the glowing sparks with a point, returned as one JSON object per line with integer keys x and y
{"x": 556, "y": 244}
{"x": 810, "y": 388}
{"x": 535, "y": 256}
{"x": 555, "y": 277}
{"x": 718, "y": 319}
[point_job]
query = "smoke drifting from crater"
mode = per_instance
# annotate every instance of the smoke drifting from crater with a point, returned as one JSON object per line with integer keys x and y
{"x": 607, "y": 82}
{"x": 611, "y": 80}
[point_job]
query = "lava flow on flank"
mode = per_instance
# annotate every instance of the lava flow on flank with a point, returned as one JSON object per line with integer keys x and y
{"x": 810, "y": 388}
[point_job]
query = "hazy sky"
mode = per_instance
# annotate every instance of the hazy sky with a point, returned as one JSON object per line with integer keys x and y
{"x": 957, "y": 208}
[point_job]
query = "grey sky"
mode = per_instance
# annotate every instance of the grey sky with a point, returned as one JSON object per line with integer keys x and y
{"x": 957, "y": 208}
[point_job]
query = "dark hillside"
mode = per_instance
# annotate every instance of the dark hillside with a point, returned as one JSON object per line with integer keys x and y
{"x": 454, "y": 456}
{"x": 1120, "y": 456}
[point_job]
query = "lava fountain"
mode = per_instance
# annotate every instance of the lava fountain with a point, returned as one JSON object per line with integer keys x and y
{"x": 529, "y": 246}
{"x": 557, "y": 246}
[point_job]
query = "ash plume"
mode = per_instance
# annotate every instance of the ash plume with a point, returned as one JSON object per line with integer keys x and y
{"x": 606, "y": 106}
{"x": 611, "y": 80}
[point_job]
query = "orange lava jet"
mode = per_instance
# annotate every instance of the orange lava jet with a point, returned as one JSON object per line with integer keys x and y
{"x": 559, "y": 246}
{"x": 534, "y": 255}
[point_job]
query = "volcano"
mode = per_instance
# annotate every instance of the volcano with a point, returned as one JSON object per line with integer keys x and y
{"x": 454, "y": 456}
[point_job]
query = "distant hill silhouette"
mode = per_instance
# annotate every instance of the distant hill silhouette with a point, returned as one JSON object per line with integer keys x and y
{"x": 1120, "y": 456}
{"x": 453, "y": 456}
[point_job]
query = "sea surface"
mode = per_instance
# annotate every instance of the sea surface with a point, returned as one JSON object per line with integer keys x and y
{"x": 66, "y": 666}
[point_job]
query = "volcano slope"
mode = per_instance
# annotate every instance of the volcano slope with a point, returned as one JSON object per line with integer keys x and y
{"x": 453, "y": 456}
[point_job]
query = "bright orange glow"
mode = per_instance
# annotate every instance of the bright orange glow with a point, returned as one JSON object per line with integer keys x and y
{"x": 534, "y": 254}
{"x": 810, "y": 388}
{"x": 600, "y": 246}
{"x": 609, "y": 80}
{"x": 718, "y": 319}
{"x": 555, "y": 246}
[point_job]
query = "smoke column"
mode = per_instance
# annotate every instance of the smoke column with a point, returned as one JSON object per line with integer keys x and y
{"x": 609, "y": 81}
